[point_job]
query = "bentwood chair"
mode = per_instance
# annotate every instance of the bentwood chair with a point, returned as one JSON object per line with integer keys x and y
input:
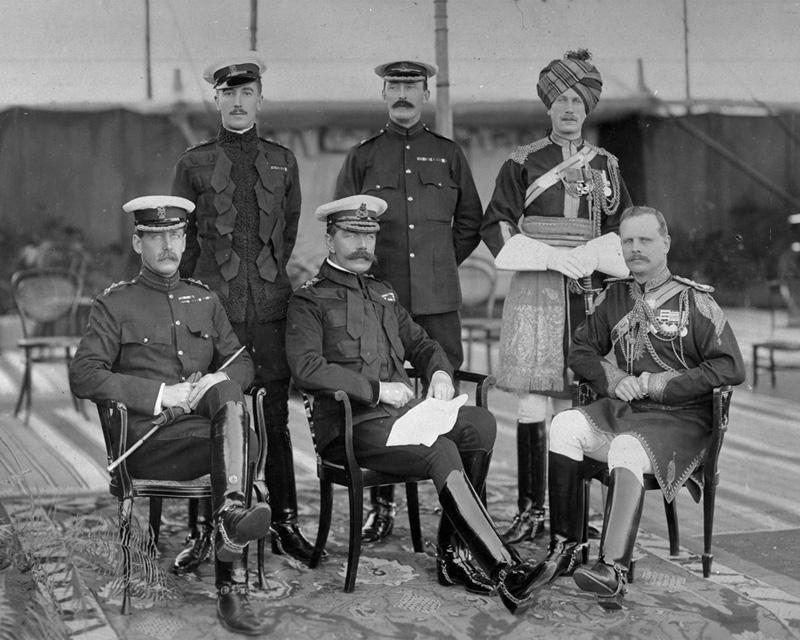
{"x": 125, "y": 487}
{"x": 356, "y": 478}
{"x": 479, "y": 325}
{"x": 46, "y": 300}
{"x": 701, "y": 483}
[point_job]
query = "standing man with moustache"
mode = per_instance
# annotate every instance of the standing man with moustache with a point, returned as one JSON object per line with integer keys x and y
{"x": 431, "y": 226}
{"x": 561, "y": 191}
{"x": 238, "y": 242}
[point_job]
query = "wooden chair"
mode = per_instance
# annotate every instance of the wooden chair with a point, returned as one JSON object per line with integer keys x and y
{"x": 114, "y": 422}
{"x": 478, "y": 292}
{"x": 356, "y": 479}
{"x": 46, "y": 300}
{"x": 773, "y": 344}
{"x": 701, "y": 483}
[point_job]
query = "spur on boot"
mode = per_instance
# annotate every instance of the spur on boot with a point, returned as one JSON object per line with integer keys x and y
{"x": 454, "y": 567}
{"x": 561, "y": 559}
{"x": 238, "y": 526}
{"x": 380, "y": 521}
{"x": 527, "y": 525}
{"x": 196, "y": 550}
{"x": 608, "y": 581}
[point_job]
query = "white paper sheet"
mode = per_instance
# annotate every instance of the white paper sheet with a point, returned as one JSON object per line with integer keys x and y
{"x": 426, "y": 422}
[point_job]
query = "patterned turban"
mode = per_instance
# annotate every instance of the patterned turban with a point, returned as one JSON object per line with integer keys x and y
{"x": 574, "y": 71}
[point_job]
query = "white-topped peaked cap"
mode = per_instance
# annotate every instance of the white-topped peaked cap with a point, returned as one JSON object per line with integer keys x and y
{"x": 158, "y": 213}
{"x": 233, "y": 71}
{"x": 354, "y": 213}
{"x": 409, "y": 70}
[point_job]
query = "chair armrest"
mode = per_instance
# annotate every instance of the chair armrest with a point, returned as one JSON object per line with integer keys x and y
{"x": 483, "y": 383}
{"x": 719, "y": 426}
{"x": 583, "y": 393}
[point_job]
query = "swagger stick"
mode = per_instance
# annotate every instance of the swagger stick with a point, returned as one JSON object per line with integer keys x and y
{"x": 162, "y": 420}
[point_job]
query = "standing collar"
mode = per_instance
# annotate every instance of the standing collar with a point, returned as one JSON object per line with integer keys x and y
{"x": 405, "y": 132}
{"x": 158, "y": 282}
{"x": 654, "y": 283}
{"x": 571, "y": 145}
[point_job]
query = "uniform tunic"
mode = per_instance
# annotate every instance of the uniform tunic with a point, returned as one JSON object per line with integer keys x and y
{"x": 243, "y": 230}
{"x": 692, "y": 351}
{"x": 432, "y": 223}
{"x": 349, "y": 332}
{"x": 149, "y": 331}
{"x": 517, "y": 371}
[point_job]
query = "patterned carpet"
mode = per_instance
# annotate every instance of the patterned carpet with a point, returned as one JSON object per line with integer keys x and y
{"x": 397, "y": 595}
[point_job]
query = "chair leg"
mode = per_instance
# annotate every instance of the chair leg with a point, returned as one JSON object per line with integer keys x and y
{"x": 412, "y": 500}
{"x": 587, "y": 491}
{"x": 671, "y": 509}
{"x": 709, "y": 498}
{"x": 325, "y": 515}
{"x": 772, "y": 367}
{"x": 755, "y": 365}
{"x": 155, "y": 519}
{"x": 356, "y": 490}
{"x": 26, "y": 390}
{"x": 125, "y": 509}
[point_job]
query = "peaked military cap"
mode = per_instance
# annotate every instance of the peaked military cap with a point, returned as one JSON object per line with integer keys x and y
{"x": 354, "y": 213}
{"x": 235, "y": 70}
{"x": 159, "y": 213}
{"x": 406, "y": 70}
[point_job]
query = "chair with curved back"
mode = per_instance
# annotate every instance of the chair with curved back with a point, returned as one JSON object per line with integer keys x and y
{"x": 356, "y": 478}
{"x": 479, "y": 325}
{"x": 701, "y": 483}
{"x": 46, "y": 300}
{"x": 123, "y": 486}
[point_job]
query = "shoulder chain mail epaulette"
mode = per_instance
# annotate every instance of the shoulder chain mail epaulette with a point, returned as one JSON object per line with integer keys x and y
{"x": 520, "y": 154}
{"x": 117, "y": 285}
{"x": 197, "y": 282}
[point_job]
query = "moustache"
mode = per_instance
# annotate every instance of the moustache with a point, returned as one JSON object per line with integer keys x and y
{"x": 361, "y": 254}
{"x": 168, "y": 255}
{"x": 402, "y": 103}
{"x": 638, "y": 256}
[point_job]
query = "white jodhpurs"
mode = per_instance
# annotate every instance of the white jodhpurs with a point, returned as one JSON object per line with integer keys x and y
{"x": 572, "y": 435}
{"x": 537, "y": 408}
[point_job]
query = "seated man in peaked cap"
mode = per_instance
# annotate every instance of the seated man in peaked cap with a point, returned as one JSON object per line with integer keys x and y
{"x": 155, "y": 344}
{"x": 346, "y": 330}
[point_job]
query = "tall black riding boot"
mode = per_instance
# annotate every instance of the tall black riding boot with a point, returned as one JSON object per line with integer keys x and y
{"x": 380, "y": 520}
{"x": 453, "y": 560}
{"x": 231, "y": 484}
{"x": 609, "y": 576}
{"x": 287, "y": 536}
{"x": 500, "y": 561}
{"x": 567, "y": 499}
{"x": 234, "y": 610}
{"x": 532, "y": 482}
{"x": 197, "y": 548}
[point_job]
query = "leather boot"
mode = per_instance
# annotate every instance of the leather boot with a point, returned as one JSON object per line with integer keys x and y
{"x": 532, "y": 482}
{"x": 287, "y": 537}
{"x": 380, "y": 520}
{"x": 197, "y": 548}
{"x": 234, "y": 609}
{"x": 609, "y": 576}
{"x": 511, "y": 576}
{"x": 566, "y": 520}
{"x": 230, "y": 484}
{"x": 453, "y": 560}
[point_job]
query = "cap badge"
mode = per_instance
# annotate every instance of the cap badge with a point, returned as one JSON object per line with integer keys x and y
{"x": 232, "y": 69}
{"x": 362, "y": 211}
{"x": 162, "y": 212}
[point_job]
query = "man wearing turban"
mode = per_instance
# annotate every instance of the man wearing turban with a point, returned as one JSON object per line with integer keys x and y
{"x": 561, "y": 191}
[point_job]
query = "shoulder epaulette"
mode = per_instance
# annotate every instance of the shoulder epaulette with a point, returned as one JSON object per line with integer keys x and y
{"x": 197, "y": 282}
{"x": 117, "y": 285}
{"x": 202, "y": 143}
{"x": 372, "y": 137}
{"x": 436, "y": 133}
{"x": 275, "y": 142}
{"x": 612, "y": 159}
{"x": 520, "y": 154}
{"x": 310, "y": 283}
{"x": 705, "y": 288}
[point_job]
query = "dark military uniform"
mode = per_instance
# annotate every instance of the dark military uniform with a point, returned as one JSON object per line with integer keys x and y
{"x": 238, "y": 241}
{"x": 153, "y": 331}
{"x": 349, "y": 332}
{"x": 431, "y": 226}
